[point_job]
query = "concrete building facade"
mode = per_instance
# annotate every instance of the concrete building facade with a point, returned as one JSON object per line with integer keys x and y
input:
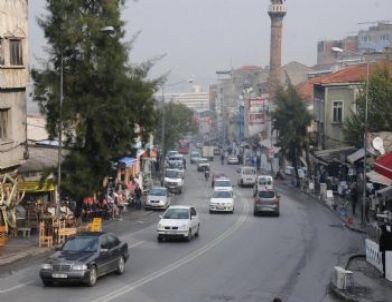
{"x": 14, "y": 78}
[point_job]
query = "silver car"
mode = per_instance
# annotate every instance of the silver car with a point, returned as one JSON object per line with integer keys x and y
{"x": 266, "y": 201}
{"x": 158, "y": 198}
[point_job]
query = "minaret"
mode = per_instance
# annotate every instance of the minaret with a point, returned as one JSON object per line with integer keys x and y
{"x": 277, "y": 10}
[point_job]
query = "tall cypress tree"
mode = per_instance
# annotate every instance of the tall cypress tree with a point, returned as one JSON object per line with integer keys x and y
{"x": 104, "y": 96}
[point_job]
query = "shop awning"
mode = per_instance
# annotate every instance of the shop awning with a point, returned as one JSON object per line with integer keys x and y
{"x": 333, "y": 155}
{"x": 385, "y": 192}
{"x": 37, "y": 186}
{"x": 379, "y": 178}
{"x": 383, "y": 165}
{"x": 127, "y": 161}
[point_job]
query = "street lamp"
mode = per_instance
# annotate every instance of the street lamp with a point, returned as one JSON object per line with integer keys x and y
{"x": 365, "y": 143}
{"x": 107, "y": 30}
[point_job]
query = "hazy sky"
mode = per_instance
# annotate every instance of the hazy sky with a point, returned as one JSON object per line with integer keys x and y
{"x": 202, "y": 36}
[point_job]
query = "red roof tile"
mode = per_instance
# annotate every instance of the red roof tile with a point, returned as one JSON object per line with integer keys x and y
{"x": 351, "y": 74}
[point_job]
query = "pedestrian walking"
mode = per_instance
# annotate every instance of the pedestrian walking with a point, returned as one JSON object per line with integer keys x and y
{"x": 138, "y": 196}
{"x": 276, "y": 300}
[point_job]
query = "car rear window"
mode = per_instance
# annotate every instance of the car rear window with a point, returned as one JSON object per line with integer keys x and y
{"x": 266, "y": 194}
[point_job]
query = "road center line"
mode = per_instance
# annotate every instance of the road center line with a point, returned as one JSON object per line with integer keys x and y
{"x": 171, "y": 267}
{"x": 10, "y": 289}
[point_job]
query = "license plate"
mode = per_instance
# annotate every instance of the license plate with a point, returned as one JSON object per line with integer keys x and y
{"x": 59, "y": 276}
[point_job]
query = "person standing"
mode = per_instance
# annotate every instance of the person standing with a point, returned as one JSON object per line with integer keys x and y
{"x": 138, "y": 196}
{"x": 354, "y": 197}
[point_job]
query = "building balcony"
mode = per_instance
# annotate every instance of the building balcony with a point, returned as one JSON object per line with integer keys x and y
{"x": 277, "y": 9}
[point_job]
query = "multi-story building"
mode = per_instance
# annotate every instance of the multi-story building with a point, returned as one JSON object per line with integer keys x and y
{"x": 369, "y": 43}
{"x": 197, "y": 100}
{"x": 14, "y": 77}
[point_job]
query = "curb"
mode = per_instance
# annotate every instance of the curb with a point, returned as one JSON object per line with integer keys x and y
{"x": 21, "y": 256}
{"x": 341, "y": 294}
{"x": 349, "y": 227}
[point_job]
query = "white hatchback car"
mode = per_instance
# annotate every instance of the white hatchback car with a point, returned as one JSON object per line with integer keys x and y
{"x": 222, "y": 200}
{"x": 179, "y": 222}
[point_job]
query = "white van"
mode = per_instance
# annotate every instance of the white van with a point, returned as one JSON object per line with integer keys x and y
{"x": 247, "y": 176}
{"x": 263, "y": 182}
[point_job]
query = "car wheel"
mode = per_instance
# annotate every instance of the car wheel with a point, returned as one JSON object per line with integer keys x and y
{"x": 277, "y": 214}
{"x": 189, "y": 236}
{"x": 160, "y": 238}
{"x": 47, "y": 282}
{"x": 92, "y": 277}
{"x": 211, "y": 212}
{"x": 254, "y": 213}
{"x": 120, "y": 266}
{"x": 198, "y": 230}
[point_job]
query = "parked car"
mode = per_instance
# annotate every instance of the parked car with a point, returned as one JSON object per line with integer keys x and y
{"x": 158, "y": 198}
{"x": 267, "y": 201}
{"x": 174, "y": 180}
{"x": 232, "y": 160}
{"x": 263, "y": 182}
{"x": 247, "y": 177}
{"x": 222, "y": 200}
{"x": 178, "y": 222}
{"x": 84, "y": 258}
{"x": 223, "y": 182}
{"x": 202, "y": 164}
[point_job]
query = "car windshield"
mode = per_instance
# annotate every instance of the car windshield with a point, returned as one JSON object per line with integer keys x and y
{"x": 158, "y": 192}
{"x": 265, "y": 181}
{"x": 195, "y": 154}
{"x": 222, "y": 183}
{"x": 266, "y": 194}
{"x": 249, "y": 171}
{"x": 82, "y": 244}
{"x": 222, "y": 194}
{"x": 203, "y": 160}
{"x": 176, "y": 214}
{"x": 172, "y": 174}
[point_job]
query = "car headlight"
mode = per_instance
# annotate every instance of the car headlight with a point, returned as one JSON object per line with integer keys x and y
{"x": 183, "y": 227}
{"x": 79, "y": 267}
{"x": 46, "y": 267}
{"x": 160, "y": 226}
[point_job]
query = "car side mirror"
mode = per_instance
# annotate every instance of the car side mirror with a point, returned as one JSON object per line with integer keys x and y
{"x": 104, "y": 251}
{"x": 57, "y": 248}
{"x": 160, "y": 216}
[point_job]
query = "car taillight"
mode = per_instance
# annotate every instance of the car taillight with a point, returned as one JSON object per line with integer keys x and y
{"x": 276, "y": 200}
{"x": 258, "y": 201}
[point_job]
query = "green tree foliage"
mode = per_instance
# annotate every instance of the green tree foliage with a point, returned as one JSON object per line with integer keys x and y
{"x": 379, "y": 107}
{"x": 290, "y": 120}
{"x": 178, "y": 121}
{"x": 105, "y": 97}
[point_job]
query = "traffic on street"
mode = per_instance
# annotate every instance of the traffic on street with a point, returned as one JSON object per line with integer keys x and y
{"x": 238, "y": 257}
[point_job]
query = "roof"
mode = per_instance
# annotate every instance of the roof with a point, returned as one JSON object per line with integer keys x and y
{"x": 41, "y": 158}
{"x": 352, "y": 74}
{"x": 383, "y": 165}
{"x": 223, "y": 189}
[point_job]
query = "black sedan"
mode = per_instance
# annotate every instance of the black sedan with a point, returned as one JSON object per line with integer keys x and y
{"x": 84, "y": 258}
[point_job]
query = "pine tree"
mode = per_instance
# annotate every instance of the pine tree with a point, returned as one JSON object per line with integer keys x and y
{"x": 104, "y": 96}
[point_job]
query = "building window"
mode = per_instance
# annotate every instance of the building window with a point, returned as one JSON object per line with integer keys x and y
{"x": 4, "y": 123}
{"x": 16, "y": 55}
{"x": 2, "y": 60}
{"x": 337, "y": 112}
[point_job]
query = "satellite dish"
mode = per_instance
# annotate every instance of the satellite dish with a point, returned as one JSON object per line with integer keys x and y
{"x": 378, "y": 144}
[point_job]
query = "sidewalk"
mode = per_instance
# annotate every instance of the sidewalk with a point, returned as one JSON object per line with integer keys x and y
{"x": 366, "y": 284}
{"x": 20, "y": 248}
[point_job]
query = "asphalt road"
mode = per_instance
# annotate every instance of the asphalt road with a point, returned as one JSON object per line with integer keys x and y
{"x": 237, "y": 257}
